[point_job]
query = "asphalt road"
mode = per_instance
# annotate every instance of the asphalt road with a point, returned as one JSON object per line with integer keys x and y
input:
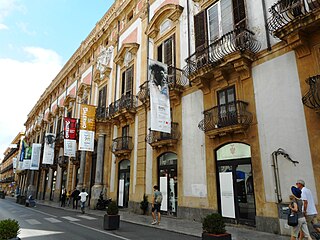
{"x": 45, "y": 222}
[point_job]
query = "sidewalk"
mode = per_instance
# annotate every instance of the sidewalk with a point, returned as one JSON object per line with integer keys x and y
{"x": 183, "y": 226}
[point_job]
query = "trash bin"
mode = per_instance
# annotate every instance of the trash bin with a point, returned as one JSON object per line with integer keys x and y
{"x": 23, "y": 200}
{"x": 2, "y": 194}
{"x": 18, "y": 200}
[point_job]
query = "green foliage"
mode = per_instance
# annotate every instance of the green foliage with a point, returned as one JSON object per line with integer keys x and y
{"x": 144, "y": 204}
{"x": 9, "y": 228}
{"x": 113, "y": 208}
{"x": 213, "y": 223}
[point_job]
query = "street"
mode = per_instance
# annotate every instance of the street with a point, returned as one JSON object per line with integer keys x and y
{"x": 44, "y": 222}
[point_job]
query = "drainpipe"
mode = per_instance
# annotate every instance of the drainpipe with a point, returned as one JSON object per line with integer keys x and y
{"x": 188, "y": 21}
{"x": 264, "y": 8}
{"x": 116, "y": 79}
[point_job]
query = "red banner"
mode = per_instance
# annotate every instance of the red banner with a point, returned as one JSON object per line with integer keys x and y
{"x": 70, "y": 128}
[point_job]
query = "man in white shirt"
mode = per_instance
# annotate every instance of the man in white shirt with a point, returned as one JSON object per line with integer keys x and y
{"x": 83, "y": 198}
{"x": 309, "y": 208}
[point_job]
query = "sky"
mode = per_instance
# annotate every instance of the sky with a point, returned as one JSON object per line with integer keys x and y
{"x": 37, "y": 37}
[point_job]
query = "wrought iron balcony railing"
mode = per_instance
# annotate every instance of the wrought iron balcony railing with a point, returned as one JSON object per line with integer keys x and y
{"x": 176, "y": 79}
{"x": 122, "y": 144}
{"x": 155, "y": 136}
{"x": 102, "y": 113}
{"x": 7, "y": 179}
{"x": 222, "y": 116}
{"x": 128, "y": 102}
{"x": 312, "y": 98}
{"x": 213, "y": 55}
{"x": 285, "y": 11}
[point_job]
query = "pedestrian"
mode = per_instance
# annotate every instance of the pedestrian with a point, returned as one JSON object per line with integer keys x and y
{"x": 68, "y": 198}
{"x": 156, "y": 205}
{"x": 75, "y": 198}
{"x": 83, "y": 198}
{"x": 309, "y": 207}
{"x": 63, "y": 197}
{"x": 295, "y": 206}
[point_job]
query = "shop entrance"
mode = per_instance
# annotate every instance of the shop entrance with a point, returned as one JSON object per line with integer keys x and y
{"x": 168, "y": 179}
{"x": 124, "y": 183}
{"x": 235, "y": 183}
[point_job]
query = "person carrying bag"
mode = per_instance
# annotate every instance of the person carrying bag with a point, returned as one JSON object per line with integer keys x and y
{"x": 296, "y": 219}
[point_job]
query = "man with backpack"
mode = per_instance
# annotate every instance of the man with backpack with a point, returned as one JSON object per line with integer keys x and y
{"x": 156, "y": 205}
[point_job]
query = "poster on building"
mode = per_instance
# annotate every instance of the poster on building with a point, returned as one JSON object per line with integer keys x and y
{"x": 70, "y": 136}
{"x": 48, "y": 152}
{"x": 14, "y": 164}
{"x": 27, "y": 158}
{"x": 35, "y": 156}
{"x": 227, "y": 194}
{"x": 87, "y": 127}
{"x": 159, "y": 97}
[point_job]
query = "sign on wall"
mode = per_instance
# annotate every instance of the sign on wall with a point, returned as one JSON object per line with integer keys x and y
{"x": 70, "y": 135}
{"x": 87, "y": 127}
{"x": 48, "y": 152}
{"x": 35, "y": 156}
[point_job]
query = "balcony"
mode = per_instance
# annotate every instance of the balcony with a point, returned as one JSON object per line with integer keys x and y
{"x": 102, "y": 114}
{"x": 219, "y": 121}
{"x": 124, "y": 109}
{"x": 312, "y": 98}
{"x": 122, "y": 146}
{"x": 177, "y": 81}
{"x": 7, "y": 179}
{"x": 233, "y": 51}
{"x": 160, "y": 139}
{"x": 289, "y": 16}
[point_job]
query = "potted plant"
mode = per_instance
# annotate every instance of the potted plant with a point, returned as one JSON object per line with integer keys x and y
{"x": 213, "y": 227}
{"x": 9, "y": 229}
{"x": 111, "y": 220}
{"x": 144, "y": 204}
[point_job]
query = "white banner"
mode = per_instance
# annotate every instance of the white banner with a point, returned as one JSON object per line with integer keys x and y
{"x": 227, "y": 195}
{"x": 14, "y": 162}
{"x": 35, "y": 156}
{"x": 86, "y": 140}
{"x": 48, "y": 152}
{"x": 159, "y": 97}
{"x": 70, "y": 147}
{"x": 26, "y": 164}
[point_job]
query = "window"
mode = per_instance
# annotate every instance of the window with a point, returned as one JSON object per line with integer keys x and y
{"x": 102, "y": 97}
{"x": 227, "y": 111}
{"x": 166, "y": 52}
{"x": 127, "y": 81}
{"x": 58, "y": 126}
{"x": 125, "y": 134}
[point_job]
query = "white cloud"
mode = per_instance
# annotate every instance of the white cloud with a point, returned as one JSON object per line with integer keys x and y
{"x": 6, "y": 8}
{"x": 3, "y": 26}
{"x": 22, "y": 84}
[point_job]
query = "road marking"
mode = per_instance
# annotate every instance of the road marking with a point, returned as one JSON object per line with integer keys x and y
{"x": 98, "y": 230}
{"x": 71, "y": 219}
{"x": 86, "y": 217}
{"x": 32, "y": 221}
{"x": 52, "y": 220}
{"x": 50, "y": 215}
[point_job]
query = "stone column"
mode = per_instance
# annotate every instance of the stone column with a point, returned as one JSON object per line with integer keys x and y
{"x": 98, "y": 187}
{"x": 82, "y": 168}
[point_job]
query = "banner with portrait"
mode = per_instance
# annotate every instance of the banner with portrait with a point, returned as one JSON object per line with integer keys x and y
{"x": 48, "y": 152}
{"x": 87, "y": 127}
{"x": 35, "y": 156}
{"x": 27, "y": 158}
{"x": 70, "y": 136}
{"x": 159, "y": 97}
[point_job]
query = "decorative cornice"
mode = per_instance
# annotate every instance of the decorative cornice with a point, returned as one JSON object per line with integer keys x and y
{"x": 131, "y": 47}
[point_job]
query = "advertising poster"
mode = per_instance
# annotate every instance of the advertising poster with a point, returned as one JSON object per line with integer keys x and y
{"x": 70, "y": 135}
{"x": 159, "y": 97}
{"x": 48, "y": 152}
{"x": 35, "y": 156}
{"x": 87, "y": 127}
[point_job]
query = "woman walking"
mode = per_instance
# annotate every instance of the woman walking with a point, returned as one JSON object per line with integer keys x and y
{"x": 296, "y": 207}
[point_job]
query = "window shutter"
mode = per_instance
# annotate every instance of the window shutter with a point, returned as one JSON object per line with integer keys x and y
{"x": 129, "y": 80}
{"x": 168, "y": 52}
{"x": 200, "y": 30}
{"x": 102, "y": 97}
{"x": 213, "y": 23}
{"x": 239, "y": 12}
{"x": 159, "y": 53}
{"x": 226, "y": 16}
{"x": 123, "y": 83}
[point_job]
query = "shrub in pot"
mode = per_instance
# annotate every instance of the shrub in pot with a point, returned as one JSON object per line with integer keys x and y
{"x": 9, "y": 229}
{"x": 214, "y": 227}
{"x": 111, "y": 220}
{"x": 144, "y": 204}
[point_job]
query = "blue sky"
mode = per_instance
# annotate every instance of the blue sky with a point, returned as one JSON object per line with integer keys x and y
{"x": 37, "y": 37}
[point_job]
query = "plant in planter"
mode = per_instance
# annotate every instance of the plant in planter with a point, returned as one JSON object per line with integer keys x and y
{"x": 214, "y": 227}
{"x": 112, "y": 218}
{"x": 9, "y": 229}
{"x": 144, "y": 204}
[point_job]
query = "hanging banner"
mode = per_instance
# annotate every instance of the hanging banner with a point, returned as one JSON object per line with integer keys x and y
{"x": 159, "y": 97}
{"x": 87, "y": 127}
{"x": 35, "y": 156}
{"x": 70, "y": 136}
{"x": 48, "y": 152}
{"x": 27, "y": 158}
